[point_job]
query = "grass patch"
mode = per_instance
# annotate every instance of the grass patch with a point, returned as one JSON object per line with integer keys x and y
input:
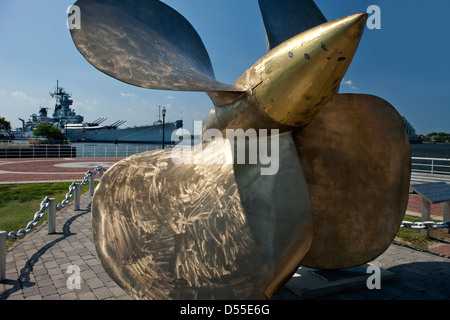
{"x": 413, "y": 237}
{"x": 19, "y": 202}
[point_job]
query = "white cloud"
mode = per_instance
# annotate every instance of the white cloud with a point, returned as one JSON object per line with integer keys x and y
{"x": 348, "y": 83}
{"x": 127, "y": 95}
{"x": 19, "y": 94}
{"x": 86, "y": 105}
{"x": 23, "y": 96}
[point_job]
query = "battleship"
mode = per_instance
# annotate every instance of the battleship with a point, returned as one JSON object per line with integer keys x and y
{"x": 77, "y": 130}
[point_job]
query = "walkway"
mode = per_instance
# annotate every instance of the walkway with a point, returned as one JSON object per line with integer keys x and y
{"x": 49, "y": 170}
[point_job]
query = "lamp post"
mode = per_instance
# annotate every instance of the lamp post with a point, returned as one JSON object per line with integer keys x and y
{"x": 164, "y": 125}
{"x": 65, "y": 129}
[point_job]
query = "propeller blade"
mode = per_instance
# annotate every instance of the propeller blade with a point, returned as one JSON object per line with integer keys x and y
{"x": 283, "y": 19}
{"x": 357, "y": 162}
{"x": 144, "y": 43}
{"x": 166, "y": 228}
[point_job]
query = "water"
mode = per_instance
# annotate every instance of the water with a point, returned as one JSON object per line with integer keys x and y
{"x": 431, "y": 151}
{"x": 440, "y": 151}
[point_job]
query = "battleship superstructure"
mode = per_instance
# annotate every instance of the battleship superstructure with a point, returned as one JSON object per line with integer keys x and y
{"x": 76, "y": 130}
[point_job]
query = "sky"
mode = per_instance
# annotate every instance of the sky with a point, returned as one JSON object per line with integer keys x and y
{"x": 405, "y": 62}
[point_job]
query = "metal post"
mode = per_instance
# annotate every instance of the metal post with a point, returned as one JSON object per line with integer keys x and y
{"x": 100, "y": 172}
{"x": 446, "y": 216}
{"x": 164, "y": 126}
{"x": 91, "y": 183}
{"x": 426, "y": 216}
{"x": 77, "y": 196}
{"x": 52, "y": 216}
{"x": 2, "y": 255}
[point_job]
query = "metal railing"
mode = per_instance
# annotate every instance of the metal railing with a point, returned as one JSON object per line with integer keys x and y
{"x": 48, "y": 204}
{"x": 430, "y": 165}
{"x": 10, "y": 150}
{"x": 112, "y": 151}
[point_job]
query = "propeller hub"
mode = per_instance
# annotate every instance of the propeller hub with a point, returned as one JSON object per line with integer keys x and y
{"x": 293, "y": 81}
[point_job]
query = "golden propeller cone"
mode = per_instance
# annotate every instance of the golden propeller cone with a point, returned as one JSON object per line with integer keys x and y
{"x": 295, "y": 80}
{"x": 289, "y": 85}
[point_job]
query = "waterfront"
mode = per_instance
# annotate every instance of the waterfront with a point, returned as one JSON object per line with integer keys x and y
{"x": 96, "y": 150}
{"x": 441, "y": 151}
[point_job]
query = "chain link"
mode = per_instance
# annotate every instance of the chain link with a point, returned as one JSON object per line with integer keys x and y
{"x": 14, "y": 236}
{"x": 427, "y": 225}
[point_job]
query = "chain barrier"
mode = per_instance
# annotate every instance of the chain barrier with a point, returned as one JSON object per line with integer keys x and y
{"x": 14, "y": 236}
{"x": 426, "y": 225}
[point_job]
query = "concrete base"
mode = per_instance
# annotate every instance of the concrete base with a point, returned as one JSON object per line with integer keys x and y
{"x": 310, "y": 283}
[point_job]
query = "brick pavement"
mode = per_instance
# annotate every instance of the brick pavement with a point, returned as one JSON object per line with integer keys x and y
{"x": 40, "y": 170}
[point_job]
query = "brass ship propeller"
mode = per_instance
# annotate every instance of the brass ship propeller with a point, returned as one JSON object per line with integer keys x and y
{"x": 165, "y": 229}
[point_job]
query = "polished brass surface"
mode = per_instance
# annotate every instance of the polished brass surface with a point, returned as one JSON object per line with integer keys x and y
{"x": 208, "y": 231}
{"x": 284, "y": 19}
{"x": 144, "y": 43}
{"x": 357, "y": 161}
{"x": 295, "y": 80}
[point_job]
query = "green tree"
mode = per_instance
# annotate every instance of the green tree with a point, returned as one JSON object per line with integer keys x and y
{"x": 4, "y": 126}
{"x": 50, "y": 132}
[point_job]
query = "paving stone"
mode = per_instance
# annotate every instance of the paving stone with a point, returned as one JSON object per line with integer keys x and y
{"x": 34, "y": 297}
{"x": 88, "y": 296}
{"x": 69, "y": 296}
{"x": 47, "y": 290}
{"x": 94, "y": 283}
{"x": 102, "y": 293}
